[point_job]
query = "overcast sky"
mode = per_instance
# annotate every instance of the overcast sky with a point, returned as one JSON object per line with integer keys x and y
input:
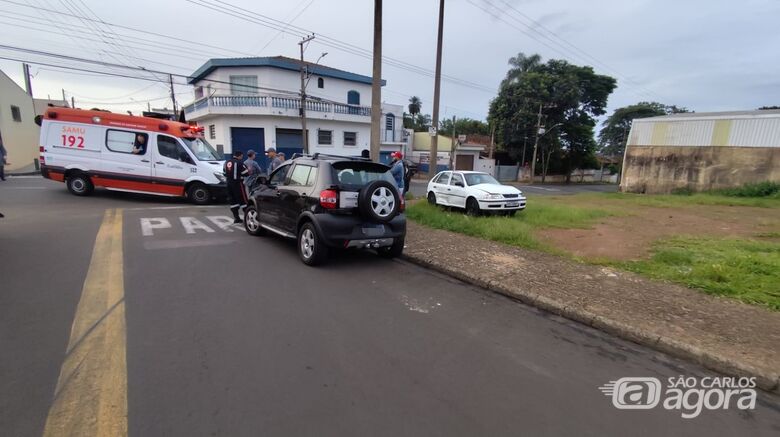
{"x": 707, "y": 55}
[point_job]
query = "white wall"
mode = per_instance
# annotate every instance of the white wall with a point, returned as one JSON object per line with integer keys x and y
{"x": 287, "y": 80}
{"x": 270, "y": 124}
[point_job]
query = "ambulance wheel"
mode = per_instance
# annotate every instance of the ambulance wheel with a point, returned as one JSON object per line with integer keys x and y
{"x": 80, "y": 184}
{"x": 199, "y": 194}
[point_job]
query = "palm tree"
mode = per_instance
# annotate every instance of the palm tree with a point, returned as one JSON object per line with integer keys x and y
{"x": 521, "y": 64}
{"x": 415, "y": 104}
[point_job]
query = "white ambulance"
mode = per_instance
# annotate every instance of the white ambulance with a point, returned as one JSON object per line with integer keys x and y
{"x": 88, "y": 149}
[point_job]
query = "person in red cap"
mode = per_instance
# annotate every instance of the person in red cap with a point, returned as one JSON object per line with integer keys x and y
{"x": 397, "y": 170}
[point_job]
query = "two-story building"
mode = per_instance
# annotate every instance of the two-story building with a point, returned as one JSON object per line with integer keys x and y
{"x": 254, "y": 103}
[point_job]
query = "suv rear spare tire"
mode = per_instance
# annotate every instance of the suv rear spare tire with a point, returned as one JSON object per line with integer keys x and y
{"x": 379, "y": 201}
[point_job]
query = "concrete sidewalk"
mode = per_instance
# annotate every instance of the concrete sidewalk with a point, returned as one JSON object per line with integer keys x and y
{"x": 723, "y": 335}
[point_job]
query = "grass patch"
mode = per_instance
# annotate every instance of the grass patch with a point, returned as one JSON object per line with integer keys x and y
{"x": 516, "y": 231}
{"x": 746, "y": 270}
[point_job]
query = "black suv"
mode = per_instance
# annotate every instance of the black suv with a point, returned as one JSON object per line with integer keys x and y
{"x": 330, "y": 202}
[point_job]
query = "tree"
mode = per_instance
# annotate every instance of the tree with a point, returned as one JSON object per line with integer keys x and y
{"x": 414, "y": 119}
{"x": 415, "y": 105}
{"x": 570, "y": 96}
{"x": 465, "y": 126}
{"x": 764, "y": 108}
{"x": 615, "y": 129}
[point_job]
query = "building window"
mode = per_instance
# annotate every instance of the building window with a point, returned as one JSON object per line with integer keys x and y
{"x": 390, "y": 122}
{"x": 324, "y": 137}
{"x": 243, "y": 85}
{"x": 320, "y": 82}
{"x": 16, "y": 113}
{"x": 350, "y": 138}
{"x": 212, "y": 132}
{"x": 198, "y": 92}
{"x": 353, "y": 97}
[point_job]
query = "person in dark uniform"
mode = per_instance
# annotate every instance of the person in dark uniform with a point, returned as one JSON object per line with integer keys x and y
{"x": 235, "y": 171}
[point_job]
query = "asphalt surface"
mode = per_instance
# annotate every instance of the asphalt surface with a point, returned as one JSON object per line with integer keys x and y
{"x": 419, "y": 187}
{"x": 228, "y": 334}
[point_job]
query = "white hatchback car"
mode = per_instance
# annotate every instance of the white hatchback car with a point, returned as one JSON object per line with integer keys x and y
{"x": 475, "y": 192}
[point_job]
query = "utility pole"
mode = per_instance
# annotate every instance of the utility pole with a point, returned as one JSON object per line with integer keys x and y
{"x": 304, "y": 133}
{"x": 536, "y": 143}
{"x": 433, "y": 166}
{"x": 453, "y": 146}
{"x": 376, "y": 84}
{"x": 173, "y": 95}
{"x": 27, "y": 80}
{"x": 72, "y": 102}
{"x": 64, "y": 99}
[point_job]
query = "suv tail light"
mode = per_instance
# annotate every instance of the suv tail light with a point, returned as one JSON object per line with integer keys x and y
{"x": 329, "y": 199}
{"x": 402, "y": 204}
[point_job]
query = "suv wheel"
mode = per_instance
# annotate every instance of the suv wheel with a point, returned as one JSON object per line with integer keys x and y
{"x": 379, "y": 201}
{"x": 80, "y": 184}
{"x": 251, "y": 222}
{"x": 310, "y": 247}
{"x": 393, "y": 251}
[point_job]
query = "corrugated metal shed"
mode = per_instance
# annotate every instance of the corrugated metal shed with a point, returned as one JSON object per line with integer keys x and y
{"x": 735, "y": 129}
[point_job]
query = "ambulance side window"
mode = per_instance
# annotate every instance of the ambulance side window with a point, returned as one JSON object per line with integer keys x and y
{"x": 170, "y": 148}
{"x": 121, "y": 141}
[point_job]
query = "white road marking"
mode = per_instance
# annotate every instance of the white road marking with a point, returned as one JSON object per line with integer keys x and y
{"x": 179, "y": 244}
{"x": 222, "y": 221}
{"x": 191, "y": 224}
{"x": 148, "y": 225}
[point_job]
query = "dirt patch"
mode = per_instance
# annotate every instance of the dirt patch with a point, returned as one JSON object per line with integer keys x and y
{"x": 631, "y": 237}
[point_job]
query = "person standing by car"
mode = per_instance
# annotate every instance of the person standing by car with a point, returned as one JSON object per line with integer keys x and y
{"x": 251, "y": 164}
{"x": 274, "y": 160}
{"x": 235, "y": 171}
{"x": 397, "y": 170}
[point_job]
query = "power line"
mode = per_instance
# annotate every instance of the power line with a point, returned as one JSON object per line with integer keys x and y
{"x": 290, "y": 21}
{"x": 257, "y": 18}
{"x": 584, "y": 53}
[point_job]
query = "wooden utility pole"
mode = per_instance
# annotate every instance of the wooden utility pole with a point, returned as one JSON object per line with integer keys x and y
{"x": 376, "y": 84}
{"x": 536, "y": 143}
{"x": 304, "y": 133}
{"x": 173, "y": 95}
{"x": 433, "y": 165}
{"x": 27, "y": 80}
{"x": 453, "y": 146}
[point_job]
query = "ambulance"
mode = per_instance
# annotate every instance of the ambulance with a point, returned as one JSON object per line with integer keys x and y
{"x": 90, "y": 148}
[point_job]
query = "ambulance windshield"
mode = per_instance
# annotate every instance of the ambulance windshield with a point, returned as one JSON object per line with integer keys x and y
{"x": 201, "y": 149}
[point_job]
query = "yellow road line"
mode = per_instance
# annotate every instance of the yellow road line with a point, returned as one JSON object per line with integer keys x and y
{"x": 91, "y": 394}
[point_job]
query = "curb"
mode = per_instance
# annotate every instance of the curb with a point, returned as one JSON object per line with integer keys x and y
{"x": 766, "y": 380}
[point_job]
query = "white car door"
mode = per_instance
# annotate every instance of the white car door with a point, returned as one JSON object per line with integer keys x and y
{"x": 440, "y": 188}
{"x": 127, "y": 162}
{"x": 172, "y": 164}
{"x": 456, "y": 191}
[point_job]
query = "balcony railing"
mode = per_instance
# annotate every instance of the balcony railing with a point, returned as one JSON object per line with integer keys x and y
{"x": 338, "y": 108}
{"x": 276, "y": 102}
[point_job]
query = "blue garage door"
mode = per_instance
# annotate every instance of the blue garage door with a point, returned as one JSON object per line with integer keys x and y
{"x": 247, "y": 138}
{"x": 289, "y": 142}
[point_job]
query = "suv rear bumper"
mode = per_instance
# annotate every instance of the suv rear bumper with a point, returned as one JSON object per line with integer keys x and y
{"x": 344, "y": 231}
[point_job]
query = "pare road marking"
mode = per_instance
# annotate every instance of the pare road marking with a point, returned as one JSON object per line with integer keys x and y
{"x": 191, "y": 225}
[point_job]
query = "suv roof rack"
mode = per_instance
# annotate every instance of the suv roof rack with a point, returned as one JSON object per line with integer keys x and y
{"x": 319, "y": 155}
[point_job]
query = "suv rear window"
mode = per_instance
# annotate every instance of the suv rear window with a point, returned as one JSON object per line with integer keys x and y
{"x": 357, "y": 174}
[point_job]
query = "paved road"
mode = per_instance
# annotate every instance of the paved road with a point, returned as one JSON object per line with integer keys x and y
{"x": 225, "y": 334}
{"x": 419, "y": 187}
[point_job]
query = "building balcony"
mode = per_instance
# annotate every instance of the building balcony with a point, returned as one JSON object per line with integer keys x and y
{"x": 275, "y": 106}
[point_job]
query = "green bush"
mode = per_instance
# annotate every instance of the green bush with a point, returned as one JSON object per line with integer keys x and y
{"x": 761, "y": 189}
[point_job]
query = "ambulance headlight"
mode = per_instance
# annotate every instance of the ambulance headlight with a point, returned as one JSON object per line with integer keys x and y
{"x": 220, "y": 177}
